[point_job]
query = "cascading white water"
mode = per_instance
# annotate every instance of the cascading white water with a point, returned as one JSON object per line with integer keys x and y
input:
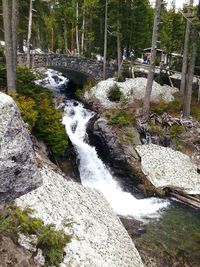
{"x": 93, "y": 172}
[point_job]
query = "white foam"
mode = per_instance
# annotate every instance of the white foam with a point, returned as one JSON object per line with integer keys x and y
{"x": 53, "y": 80}
{"x": 94, "y": 173}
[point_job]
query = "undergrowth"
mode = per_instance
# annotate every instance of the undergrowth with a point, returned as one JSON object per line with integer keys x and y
{"x": 13, "y": 221}
{"x": 114, "y": 93}
{"x": 171, "y": 107}
{"x": 38, "y": 110}
{"x": 79, "y": 94}
{"x": 120, "y": 118}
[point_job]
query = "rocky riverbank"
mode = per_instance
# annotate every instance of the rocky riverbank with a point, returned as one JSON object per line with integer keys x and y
{"x": 98, "y": 237}
{"x": 121, "y": 145}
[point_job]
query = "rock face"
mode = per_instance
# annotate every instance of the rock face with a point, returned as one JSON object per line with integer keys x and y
{"x": 13, "y": 255}
{"x": 98, "y": 237}
{"x": 118, "y": 156}
{"x": 165, "y": 167}
{"x": 18, "y": 169}
{"x": 132, "y": 89}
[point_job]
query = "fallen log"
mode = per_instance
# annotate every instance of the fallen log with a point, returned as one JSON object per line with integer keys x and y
{"x": 185, "y": 198}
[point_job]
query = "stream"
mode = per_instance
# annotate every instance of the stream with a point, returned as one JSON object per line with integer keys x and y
{"x": 94, "y": 173}
{"x": 171, "y": 231}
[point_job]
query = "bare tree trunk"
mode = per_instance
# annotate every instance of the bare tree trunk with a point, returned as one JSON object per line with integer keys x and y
{"x": 105, "y": 40}
{"x": 29, "y": 33}
{"x": 9, "y": 52}
{"x": 185, "y": 53}
{"x": 65, "y": 37}
{"x": 118, "y": 44}
{"x": 146, "y": 100}
{"x": 52, "y": 39}
{"x": 190, "y": 74}
{"x": 77, "y": 33}
{"x": 83, "y": 29}
{"x": 15, "y": 16}
{"x": 72, "y": 38}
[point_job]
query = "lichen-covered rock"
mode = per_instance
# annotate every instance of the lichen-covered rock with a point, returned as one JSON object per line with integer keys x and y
{"x": 165, "y": 167}
{"x": 98, "y": 237}
{"x": 132, "y": 89}
{"x": 18, "y": 169}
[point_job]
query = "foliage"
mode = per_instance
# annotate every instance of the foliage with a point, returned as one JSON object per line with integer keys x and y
{"x": 13, "y": 221}
{"x": 161, "y": 107}
{"x": 176, "y": 130}
{"x": 156, "y": 129}
{"x": 52, "y": 244}
{"x": 26, "y": 85}
{"x": 3, "y": 82}
{"x": 195, "y": 112}
{"x": 27, "y": 108}
{"x": 43, "y": 118}
{"x": 174, "y": 106}
{"x": 80, "y": 92}
{"x": 177, "y": 143}
{"x": 48, "y": 126}
{"x": 114, "y": 93}
{"x": 120, "y": 118}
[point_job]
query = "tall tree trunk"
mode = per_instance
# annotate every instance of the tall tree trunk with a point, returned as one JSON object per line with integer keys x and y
{"x": 77, "y": 33}
{"x": 105, "y": 40}
{"x": 83, "y": 29}
{"x": 185, "y": 53}
{"x": 52, "y": 39}
{"x": 190, "y": 74}
{"x": 9, "y": 52}
{"x": 146, "y": 100}
{"x": 29, "y": 33}
{"x": 65, "y": 37}
{"x": 118, "y": 43}
{"x": 15, "y": 16}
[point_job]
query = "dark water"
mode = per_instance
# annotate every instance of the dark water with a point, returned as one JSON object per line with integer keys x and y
{"x": 177, "y": 232}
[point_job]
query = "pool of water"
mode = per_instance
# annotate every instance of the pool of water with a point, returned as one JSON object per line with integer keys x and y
{"x": 177, "y": 232}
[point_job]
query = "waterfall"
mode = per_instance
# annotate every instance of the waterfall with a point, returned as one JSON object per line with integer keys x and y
{"x": 95, "y": 174}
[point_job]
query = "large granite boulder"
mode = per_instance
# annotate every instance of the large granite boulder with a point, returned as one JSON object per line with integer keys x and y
{"x": 167, "y": 168}
{"x": 18, "y": 169}
{"x": 132, "y": 90}
{"x": 98, "y": 237}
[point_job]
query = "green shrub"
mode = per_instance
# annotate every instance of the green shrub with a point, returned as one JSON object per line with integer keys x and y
{"x": 176, "y": 130}
{"x": 79, "y": 94}
{"x": 174, "y": 106}
{"x": 52, "y": 244}
{"x": 195, "y": 112}
{"x": 120, "y": 118}
{"x": 178, "y": 144}
{"x": 13, "y": 221}
{"x": 38, "y": 110}
{"x": 161, "y": 107}
{"x": 49, "y": 128}
{"x": 114, "y": 93}
{"x": 156, "y": 129}
{"x": 3, "y": 82}
{"x": 28, "y": 109}
{"x": 120, "y": 78}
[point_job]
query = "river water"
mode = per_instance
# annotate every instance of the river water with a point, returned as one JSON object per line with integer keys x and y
{"x": 94, "y": 173}
{"x": 172, "y": 227}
